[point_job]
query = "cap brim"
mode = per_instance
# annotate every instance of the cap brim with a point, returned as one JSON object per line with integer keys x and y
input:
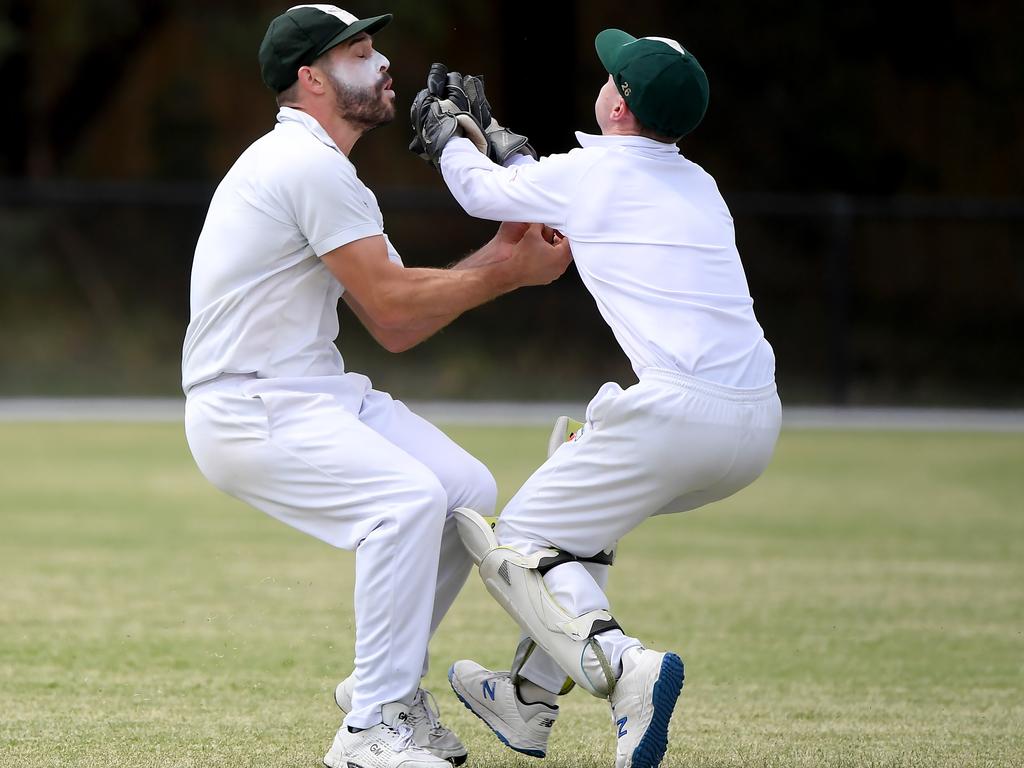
{"x": 608, "y": 44}
{"x": 370, "y": 26}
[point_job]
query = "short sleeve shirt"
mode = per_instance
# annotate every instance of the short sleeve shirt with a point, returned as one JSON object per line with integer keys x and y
{"x": 262, "y": 302}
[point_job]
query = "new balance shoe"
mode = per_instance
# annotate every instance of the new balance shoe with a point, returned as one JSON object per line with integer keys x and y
{"x": 386, "y": 745}
{"x": 424, "y": 719}
{"x": 566, "y": 430}
{"x": 642, "y": 705}
{"x": 491, "y": 696}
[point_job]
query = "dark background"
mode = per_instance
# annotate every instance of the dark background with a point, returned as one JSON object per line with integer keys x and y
{"x": 872, "y": 155}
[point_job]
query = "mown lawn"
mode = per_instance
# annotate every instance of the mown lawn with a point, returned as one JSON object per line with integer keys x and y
{"x": 861, "y": 605}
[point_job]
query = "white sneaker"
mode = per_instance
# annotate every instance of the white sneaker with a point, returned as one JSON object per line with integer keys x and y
{"x": 491, "y": 696}
{"x": 386, "y": 745}
{"x": 565, "y": 430}
{"x": 642, "y": 705}
{"x": 423, "y": 718}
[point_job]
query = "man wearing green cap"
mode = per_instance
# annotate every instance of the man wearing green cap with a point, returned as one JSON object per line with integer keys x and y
{"x": 272, "y": 416}
{"x": 654, "y": 243}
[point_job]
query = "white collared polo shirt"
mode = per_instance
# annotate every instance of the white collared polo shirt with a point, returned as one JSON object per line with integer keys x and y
{"x": 652, "y": 239}
{"x": 262, "y": 302}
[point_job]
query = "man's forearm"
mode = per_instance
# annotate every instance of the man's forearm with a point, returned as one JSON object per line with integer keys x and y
{"x": 421, "y": 296}
{"x": 399, "y": 339}
{"x": 479, "y": 258}
{"x": 393, "y": 299}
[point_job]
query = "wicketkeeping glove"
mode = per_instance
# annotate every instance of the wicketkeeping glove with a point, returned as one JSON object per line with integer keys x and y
{"x": 440, "y": 111}
{"x": 501, "y": 142}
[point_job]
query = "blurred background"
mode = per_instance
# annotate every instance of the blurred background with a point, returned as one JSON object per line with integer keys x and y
{"x": 872, "y": 154}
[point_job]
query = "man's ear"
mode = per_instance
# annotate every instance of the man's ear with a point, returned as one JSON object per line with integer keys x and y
{"x": 311, "y": 79}
{"x": 621, "y": 110}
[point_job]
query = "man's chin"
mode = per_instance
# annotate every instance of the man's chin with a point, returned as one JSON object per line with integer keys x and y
{"x": 376, "y": 120}
{"x": 386, "y": 113}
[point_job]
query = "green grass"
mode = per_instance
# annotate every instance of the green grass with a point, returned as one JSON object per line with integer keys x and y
{"x": 861, "y": 605}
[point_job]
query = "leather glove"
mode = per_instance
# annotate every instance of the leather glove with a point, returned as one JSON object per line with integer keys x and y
{"x": 501, "y": 142}
{"x": 440, "y": 111}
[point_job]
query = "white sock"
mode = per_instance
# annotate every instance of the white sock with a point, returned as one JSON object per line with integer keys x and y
{"x": 529, "y": 692}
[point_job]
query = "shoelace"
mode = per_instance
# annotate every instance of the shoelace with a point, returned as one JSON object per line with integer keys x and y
{"x": 404, "y": 740}
{"x": 426, "y": 700}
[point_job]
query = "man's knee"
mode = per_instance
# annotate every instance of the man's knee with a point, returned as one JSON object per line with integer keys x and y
{"x": 483, "y": 489}
{"x": 469, "y": 482}
{"x": 427, "y": 501}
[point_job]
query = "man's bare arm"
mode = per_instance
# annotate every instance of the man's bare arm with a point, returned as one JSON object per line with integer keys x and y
{"x": 403, "y": 306}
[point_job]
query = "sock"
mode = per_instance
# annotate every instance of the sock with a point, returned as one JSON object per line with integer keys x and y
{"x": 529, "y": 692}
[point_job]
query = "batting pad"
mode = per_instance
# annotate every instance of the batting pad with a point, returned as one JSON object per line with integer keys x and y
{"x": 513, "y": 580}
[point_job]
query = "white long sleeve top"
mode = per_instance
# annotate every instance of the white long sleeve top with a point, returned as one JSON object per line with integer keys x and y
{"x": 652, "y": 239}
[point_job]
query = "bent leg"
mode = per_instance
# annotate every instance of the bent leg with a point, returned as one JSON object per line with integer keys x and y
{"x": 646, "y": 450}
{"x": 311, "y": 464}
{"x": 466, "y": 481}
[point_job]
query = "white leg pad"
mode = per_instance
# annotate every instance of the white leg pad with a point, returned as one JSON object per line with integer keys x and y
{"x": 513, "y": 580}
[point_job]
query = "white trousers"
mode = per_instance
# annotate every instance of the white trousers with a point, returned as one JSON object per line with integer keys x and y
{"x": 349, "y": 465}
{"x": 670, "y": 443}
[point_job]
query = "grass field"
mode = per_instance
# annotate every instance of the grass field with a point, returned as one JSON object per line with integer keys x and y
{"x": 861, "y": 605}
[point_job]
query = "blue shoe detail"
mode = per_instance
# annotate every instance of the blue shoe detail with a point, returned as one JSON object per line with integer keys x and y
{"x": 652, "y": 746}
{"x": 501, "y": 738}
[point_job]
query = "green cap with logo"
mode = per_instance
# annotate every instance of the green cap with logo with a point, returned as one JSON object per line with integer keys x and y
{"x": 661, "y": 82}
{"x": 301, "y": 34}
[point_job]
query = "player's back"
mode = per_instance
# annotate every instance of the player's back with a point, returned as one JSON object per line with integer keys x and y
{"x": 654, "y": 242}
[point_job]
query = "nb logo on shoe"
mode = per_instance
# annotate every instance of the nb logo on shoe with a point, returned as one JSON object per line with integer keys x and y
{"x": 489, "y": 690}
{"x": 622, "y": 726}
{"x": 545, "y": 722}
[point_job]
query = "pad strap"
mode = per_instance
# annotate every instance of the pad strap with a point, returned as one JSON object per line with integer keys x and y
{"x": 604, "y": 625}
{"x": 561, "y": 557}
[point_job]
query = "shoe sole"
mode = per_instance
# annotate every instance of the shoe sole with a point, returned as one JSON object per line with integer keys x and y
{"x": 651, "y": 749}
{"x": 501, "y": 737}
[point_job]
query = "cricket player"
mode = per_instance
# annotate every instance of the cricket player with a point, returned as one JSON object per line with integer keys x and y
{"x": 273, "y": 418}
{"x": 654, "y": 243}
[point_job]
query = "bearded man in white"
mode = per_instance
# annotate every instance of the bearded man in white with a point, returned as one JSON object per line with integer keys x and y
{"x": 272, "y": 416}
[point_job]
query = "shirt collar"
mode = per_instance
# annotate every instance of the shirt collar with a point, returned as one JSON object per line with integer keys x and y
{"x": 287, "y": 115}
{"x": 636, "y": 142}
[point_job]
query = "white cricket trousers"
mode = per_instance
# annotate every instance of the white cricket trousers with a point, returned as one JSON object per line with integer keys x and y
{"x": 669, "y": 443}
{"x": 349, "y": 465}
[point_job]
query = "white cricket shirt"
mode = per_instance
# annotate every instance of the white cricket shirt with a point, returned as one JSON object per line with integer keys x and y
{"x": 261, "y": 300}
{"x": 652, "y": 239}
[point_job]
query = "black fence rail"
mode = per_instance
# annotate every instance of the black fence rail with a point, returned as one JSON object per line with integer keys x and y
{"x": 866, "y": 300}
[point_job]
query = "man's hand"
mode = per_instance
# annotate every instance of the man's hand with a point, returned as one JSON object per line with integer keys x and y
{"x": 511, "y": 232}
{"x": 501, "y": 142}
{"x": 440, "y": 111}
{"x": 534, "y": 254}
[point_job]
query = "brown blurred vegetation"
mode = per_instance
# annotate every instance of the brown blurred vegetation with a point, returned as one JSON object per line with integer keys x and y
{"x": 872, "y": 154}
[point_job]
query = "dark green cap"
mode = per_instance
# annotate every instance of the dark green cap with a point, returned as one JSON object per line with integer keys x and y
{"x": 661, "y": 82}
{"x": 300, "y": 34}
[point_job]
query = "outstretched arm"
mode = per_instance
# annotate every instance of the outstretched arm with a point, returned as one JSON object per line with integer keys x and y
{"x": 523, "y": 191}
{"x": 403, "y": 306}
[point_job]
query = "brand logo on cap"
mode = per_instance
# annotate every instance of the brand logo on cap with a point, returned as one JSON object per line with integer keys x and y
{"x": 667, "y": 41}
{"x": 333, "y": 10}
{"x": 626, "y": 90}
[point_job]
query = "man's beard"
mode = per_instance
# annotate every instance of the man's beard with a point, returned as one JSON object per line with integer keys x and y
{"x": 365, "y": 108}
